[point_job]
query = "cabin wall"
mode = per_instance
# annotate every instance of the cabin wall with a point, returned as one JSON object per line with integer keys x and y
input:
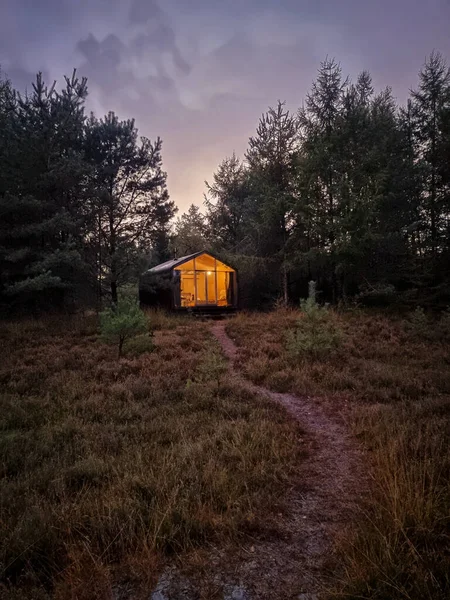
{"x": 176, "y": 289}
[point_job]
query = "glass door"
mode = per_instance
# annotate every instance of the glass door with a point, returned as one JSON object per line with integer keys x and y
{"x": 211, "y": 290}
{"x": 206, "y": 287}
{"x": 201, "y": 289}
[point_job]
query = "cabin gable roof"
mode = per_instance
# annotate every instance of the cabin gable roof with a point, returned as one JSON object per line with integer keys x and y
{"x": 176, "y": 262}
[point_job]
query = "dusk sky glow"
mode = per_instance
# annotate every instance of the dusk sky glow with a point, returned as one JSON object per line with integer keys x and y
{"x": 199, "y": 73}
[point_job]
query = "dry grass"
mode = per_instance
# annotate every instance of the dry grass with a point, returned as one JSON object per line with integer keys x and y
{"x": 395, "y": 389}
{"x": 109, "y": 466}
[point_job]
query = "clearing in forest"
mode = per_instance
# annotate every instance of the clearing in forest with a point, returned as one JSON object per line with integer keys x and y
{"x": 181, "y": 465}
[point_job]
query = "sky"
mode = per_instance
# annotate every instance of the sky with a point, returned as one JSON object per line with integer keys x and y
{"x": 199, "y": 73}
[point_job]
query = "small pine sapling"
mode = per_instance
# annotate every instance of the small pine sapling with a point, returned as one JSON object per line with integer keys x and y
{"x": 122, "y": 322}
{"x": 316, "y": 332}
{"x": 213, "y": 365}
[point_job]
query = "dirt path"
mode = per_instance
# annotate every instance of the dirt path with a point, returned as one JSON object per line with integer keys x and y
{"x": 294, "y": 560}
{"x": 294, "y": 564}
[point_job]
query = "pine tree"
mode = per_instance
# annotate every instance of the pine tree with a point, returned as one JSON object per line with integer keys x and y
{"x": 390, "y": 198}
{"x": 271, "y": 159}
{"x": 190, "y": 232}
{"x": 42, "y": 202}
{"x": 430, "y": 103}
{"x": 444, "y": 174}
{"x": 319, "y": 124}
{"x": 131, "y": 201}
{"x": 228, "y": 205}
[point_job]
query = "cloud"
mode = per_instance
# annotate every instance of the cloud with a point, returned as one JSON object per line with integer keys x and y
{"x": 160, "y": 40}
{"x": 142, "y": 11}
{"x": 200, "y": 72}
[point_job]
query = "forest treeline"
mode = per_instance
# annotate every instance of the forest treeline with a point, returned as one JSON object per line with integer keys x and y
{"x": 82, "y": 200}
{"x": 351, "y": 190}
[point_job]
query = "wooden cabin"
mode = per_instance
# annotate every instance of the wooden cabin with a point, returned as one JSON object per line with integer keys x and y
{"x": 198, "y": 282}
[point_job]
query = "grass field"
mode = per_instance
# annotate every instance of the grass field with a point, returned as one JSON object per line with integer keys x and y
{"x": 393, "y": 385}
{"x": 108, "y": 467}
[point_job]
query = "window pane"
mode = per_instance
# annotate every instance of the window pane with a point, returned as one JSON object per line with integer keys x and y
{"x": 200, "y": 277}
{"x": 223, "y": 288}
{"x": 187, "y": 289}
{"x": 211, "y": 286}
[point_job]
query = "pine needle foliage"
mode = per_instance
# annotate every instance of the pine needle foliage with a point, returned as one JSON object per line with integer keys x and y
{"x": 122, "y": 321}
{"x": 316, "y": 333}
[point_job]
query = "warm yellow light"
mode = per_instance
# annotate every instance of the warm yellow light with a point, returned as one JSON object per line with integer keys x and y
{"x": 209, "y": 272}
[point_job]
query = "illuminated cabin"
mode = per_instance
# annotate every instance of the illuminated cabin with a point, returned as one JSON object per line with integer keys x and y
{"x": 198, "y": 281}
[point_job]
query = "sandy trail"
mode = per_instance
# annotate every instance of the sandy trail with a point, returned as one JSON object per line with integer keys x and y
{"x": 294, "y": 564}
{"x": 293, "y": 561}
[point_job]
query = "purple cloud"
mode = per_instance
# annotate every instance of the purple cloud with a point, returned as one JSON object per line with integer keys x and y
{"x": 200, "y": 73}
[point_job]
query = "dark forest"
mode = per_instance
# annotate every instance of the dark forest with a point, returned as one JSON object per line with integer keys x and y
{"x": 352, "y": 191}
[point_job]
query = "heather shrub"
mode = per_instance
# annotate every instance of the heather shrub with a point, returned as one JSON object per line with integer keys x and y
{"x": 109, "y": 469}
{"x": 140, "y": 344}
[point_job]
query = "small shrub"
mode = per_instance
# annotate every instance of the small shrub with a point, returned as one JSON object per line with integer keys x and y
{"x": 316, "y": 333}
{"x": 122, "y": 322}
{"x": 140, "y": 344}
{"x": 213, "y": 366}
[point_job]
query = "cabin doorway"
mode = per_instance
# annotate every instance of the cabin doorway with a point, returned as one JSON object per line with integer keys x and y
{"x": 206, "y": 287}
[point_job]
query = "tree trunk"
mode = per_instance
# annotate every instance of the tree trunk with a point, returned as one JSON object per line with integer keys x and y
{"x": 433, "y": 184}
{"x": 112, "y": 253}
{"x": 99, "y": 264}
{"x": 433, "y": 213}
{"x": 285, "y": 286}
{"x": 332, "y": 238}
{"x": 113, "y": 289}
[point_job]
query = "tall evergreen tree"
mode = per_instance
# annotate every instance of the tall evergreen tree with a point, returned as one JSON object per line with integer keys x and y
{"x": 319, "y": 124}
{"x": 42, "y": 203}
{"x": 131, "y": 202}
{"x": 228, "y": 204}
{"x": 191, "y": 233}
{"x": 431, "y": 103}
{"x": 271, "y": 159}
{"x": 8, "y": 107}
